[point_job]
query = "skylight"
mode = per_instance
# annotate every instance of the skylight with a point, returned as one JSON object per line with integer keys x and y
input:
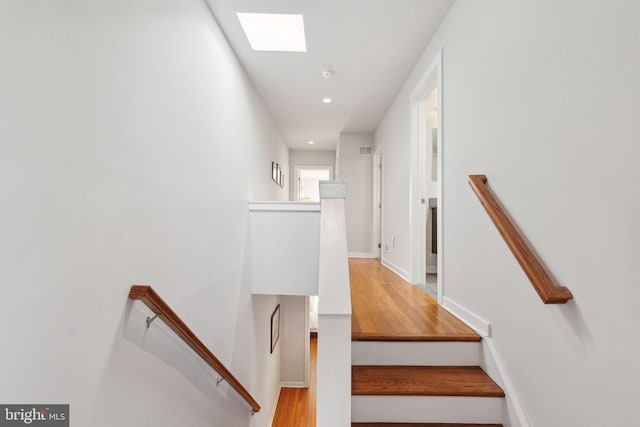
{"x": 274, "y": 32}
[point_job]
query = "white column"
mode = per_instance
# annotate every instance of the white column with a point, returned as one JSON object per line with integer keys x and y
{"x": 334, "y": 311}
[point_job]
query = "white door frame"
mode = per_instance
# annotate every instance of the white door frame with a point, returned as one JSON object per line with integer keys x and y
{"x": 377, "y": 201}
{"x": 430, "y": 80}
{"x": 296, "y": 178}
{"x": 307, "y": 340}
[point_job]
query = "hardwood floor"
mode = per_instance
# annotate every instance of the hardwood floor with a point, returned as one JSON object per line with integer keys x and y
{"x": 297, "y": 406}
{"x": 387, "y": 308}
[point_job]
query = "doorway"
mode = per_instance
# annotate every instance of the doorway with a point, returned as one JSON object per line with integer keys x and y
{"x": 430, "y": 140}
{"x": 427, "y": 249}
{"x": 307, "y": 185}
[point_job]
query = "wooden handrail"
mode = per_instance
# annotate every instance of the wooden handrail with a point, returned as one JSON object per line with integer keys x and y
{"x": 549, "y": 292}
{"x": 147, "y": 295}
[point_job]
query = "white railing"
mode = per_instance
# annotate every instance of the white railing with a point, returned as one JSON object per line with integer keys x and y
{"x": 334, "y": 312}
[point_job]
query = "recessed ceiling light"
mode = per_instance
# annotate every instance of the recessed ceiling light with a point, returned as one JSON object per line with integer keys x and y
{"x": 311, "y": 143}
{"x": 274, "y": 32}
{"x": 326, "y": 100}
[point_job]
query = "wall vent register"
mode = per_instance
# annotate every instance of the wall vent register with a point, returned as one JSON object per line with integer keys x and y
{"x": 365, "y": 150}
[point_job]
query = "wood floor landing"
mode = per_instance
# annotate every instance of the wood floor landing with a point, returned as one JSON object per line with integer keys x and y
{"x": 387, "y": 308}
{"x": 423, "y": 381}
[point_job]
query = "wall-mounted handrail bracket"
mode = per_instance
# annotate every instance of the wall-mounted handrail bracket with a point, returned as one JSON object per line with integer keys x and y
{"x": 547, "y": 289}
{"x": 219, "y": 380}
{"x": 160, "y": 308}
{"x": 253, "y": 412}
{"x": 151, "y": 319}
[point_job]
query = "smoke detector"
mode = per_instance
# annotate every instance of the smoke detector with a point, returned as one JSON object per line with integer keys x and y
{"x": 327, "y": 73}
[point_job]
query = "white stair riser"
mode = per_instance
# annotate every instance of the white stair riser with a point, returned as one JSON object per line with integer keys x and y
{"x": 427, "y": 409}
{"x": 434, "y": 353}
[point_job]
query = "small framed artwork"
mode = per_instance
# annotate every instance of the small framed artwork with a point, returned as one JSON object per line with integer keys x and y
{"x": 274, "y": 169}
{"x": 275, "y": 327}
{"x": 281, "y": 179}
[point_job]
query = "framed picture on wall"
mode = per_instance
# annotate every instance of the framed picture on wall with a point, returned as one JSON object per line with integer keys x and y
{"x": 281, "y": 179}
{"x": 273, "y": 170}
{"x": 275, "y": 327}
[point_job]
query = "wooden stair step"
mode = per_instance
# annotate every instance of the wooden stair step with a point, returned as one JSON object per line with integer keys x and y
{"x": 422, "y": 425}
{"x": 407, "y": 336}
{"x": 423, "y": 381}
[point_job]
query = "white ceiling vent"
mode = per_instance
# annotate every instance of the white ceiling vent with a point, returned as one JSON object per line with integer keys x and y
{"x": 365, "y": 151}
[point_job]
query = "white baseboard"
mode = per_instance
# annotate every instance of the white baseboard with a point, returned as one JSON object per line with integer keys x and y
{"x": 361, "y": 255}
{"x": 293, "y": 384}
{"x": 400, "y": 272}
{"x": 491, "y": 363}
{"x": 481, "y": 326}
{"x": 275, "y": 407}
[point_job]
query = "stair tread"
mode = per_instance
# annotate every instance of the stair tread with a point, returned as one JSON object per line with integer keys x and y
{"x": 422, "y": 425}
{"x": 423, "y": 381}
{"x": 405, "y": 336}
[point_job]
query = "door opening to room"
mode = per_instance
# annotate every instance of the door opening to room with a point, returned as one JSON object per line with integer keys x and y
{"x": 430, "y": 141}
{"x": 308, "y": 179}
{"x": 426, "y": 174}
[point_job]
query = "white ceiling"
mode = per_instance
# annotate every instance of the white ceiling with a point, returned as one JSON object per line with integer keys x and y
{"x": 371, "y": 45}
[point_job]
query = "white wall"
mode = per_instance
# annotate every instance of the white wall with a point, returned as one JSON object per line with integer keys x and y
{"x": 394, "y": 133}
{"x": 285, "y": 240}
{"x": 542, "y": 98}
{"x": 307, "y": 158}
{"x": 130, "y": 143}
{"x": 357, "y": 171}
